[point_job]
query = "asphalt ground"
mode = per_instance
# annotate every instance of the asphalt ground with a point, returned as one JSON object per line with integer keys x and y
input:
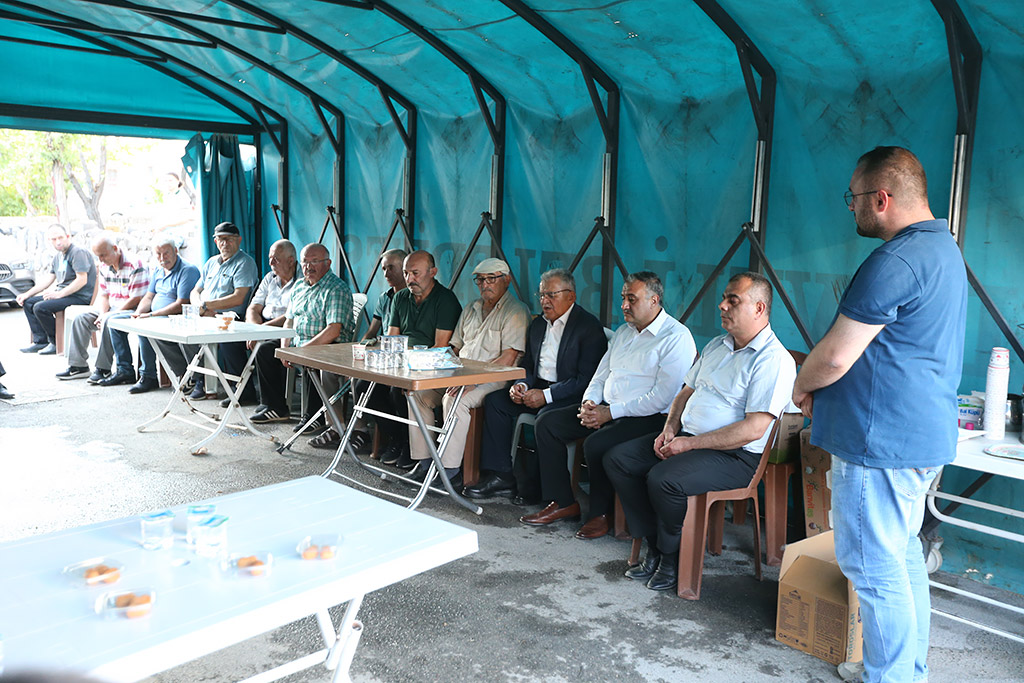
{"x": 531, "y": 605}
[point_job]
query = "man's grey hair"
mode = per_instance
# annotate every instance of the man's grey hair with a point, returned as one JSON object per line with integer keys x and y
{"x": 105, "y": 237}
{"x": 760, "y": 289}
{"x": 165, "y": 240}
{"x": 559, "y": 274}
{"x": 651, "y": 281}
{"x": 391, "y": 254}
{"x": 289, "y": 248}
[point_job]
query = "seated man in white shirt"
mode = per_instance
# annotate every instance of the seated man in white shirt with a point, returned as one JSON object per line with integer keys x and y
{"x": 627, "y": 397}
{"x": 715, "y": 431}
{"x": 268, "y": 307}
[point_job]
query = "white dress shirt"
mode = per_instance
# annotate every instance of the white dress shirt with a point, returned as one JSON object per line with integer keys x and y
{"x": 728, "y": 383}
{"x": 547, "y": 359}
{"x": 643, "y": 371}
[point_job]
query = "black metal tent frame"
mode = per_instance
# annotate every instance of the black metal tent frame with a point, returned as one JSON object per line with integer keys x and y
{"x": 965, "y": 61}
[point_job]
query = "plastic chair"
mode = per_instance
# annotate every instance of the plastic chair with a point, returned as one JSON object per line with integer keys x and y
{"x": 702, "y": 526}
{"x": 575, "y": 454}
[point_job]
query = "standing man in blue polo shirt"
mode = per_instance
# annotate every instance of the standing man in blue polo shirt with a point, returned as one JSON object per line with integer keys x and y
{"x": 169, "y": 288}
{"x": 882, "y": 388}
{"x": 225, "y": 281}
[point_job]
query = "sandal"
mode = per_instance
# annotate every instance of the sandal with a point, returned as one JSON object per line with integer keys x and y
{"x": 360, "y": 442}
{"x": 328, "y": 439}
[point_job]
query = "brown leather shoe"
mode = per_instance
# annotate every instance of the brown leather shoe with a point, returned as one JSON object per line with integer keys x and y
{"x": 594, "y": 528}
{"x": 552, "y": 513}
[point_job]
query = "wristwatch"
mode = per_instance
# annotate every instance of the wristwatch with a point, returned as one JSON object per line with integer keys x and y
{"x": 202, "y": 308}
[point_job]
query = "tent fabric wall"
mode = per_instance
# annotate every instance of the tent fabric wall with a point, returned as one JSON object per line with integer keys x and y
{"x": 849, "y": 77}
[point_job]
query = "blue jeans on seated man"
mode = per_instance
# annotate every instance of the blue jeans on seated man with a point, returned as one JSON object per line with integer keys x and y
{"x": 877, "y": 514}
{"x": 122, "y": 349}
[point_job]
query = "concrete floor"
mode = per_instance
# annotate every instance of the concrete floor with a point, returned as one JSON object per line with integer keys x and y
{"x": 531, "y": 605}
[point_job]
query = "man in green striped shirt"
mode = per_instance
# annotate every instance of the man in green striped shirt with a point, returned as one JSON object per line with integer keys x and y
{"x": 320, "y": 311}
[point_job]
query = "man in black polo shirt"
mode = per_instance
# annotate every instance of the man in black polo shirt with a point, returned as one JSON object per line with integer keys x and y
{"x": 427, "y": 312}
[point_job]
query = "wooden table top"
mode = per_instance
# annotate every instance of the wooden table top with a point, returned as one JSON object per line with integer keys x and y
{"x": 337, "y": 358}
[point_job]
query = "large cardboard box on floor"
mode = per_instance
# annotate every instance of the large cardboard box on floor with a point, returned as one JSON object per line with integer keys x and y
{"x": 815, "y": 464}
{"x": 818, "y": 608}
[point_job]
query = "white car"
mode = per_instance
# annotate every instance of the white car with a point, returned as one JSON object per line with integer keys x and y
{"x": 17, "y": 273}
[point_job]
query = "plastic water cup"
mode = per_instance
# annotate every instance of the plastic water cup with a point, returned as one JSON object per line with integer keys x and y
{"x": 157, "y": 529}
{"x": 190, "y": 313}
{"x": 196, "y": 515}
{"x": 211, "y": 537}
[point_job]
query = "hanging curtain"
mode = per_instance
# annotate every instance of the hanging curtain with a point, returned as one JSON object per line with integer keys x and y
{"x": 222, "y": 183}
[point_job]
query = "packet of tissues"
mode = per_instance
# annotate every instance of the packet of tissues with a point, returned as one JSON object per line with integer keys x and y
{"x": 439, "y": 358}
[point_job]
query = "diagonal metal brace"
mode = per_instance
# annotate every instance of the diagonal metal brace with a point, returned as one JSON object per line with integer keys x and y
{"x": 399, "y": 221}
{"x": 485, "y": 223}
{"x": 747, "y": 233}
{"x": 609, "y": 243}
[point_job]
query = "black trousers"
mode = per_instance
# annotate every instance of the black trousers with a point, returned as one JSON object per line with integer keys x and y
{"x": 387, "y": 400}
{"x": 233, "y": 356}
{"x": 558, "y": 428}
{"x": 654, "y": 491}
{"x": 41, "y": 315}
{"x": 500, "y": 415}
{"x": 271, "y": 375}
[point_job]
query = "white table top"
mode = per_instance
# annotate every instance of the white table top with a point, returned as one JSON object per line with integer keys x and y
{"x": 48, "y": 621}
{"x": 970, "y": 453}
{"x": 207, "y": 332}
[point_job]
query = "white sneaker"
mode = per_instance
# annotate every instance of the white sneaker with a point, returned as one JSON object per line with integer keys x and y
{"x": 850, "y": 671}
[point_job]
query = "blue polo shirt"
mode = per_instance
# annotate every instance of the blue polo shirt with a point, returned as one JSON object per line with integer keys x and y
{"x": 896, "y": 406}
{"x": 168, "y": 287}
{"x": 222, "y": 279}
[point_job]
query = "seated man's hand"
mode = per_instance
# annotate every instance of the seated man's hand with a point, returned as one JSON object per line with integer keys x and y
{"x": 534, "y": 398}
{"x": 592, "y": 415}
{"x": 451, "y": 391}
{"x": 147, "y": 314}
{"x": 51, "y": 294}
{"x": 516, "y": 392}
{"x": 668, "y": 444}
{"x": 251, "y": 344}
{"x": 805, "y": 402}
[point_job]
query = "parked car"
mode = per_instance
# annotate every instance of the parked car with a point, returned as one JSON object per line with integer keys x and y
{"x": 17, "y": 270}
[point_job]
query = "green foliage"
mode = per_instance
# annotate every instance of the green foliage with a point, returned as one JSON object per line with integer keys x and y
{"x": 25, "y": 167}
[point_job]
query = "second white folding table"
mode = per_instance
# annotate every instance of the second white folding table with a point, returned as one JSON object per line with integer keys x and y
{"x": 206, "y": 334}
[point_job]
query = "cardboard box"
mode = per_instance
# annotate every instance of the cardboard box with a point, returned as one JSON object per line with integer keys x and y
{"x": 815, "y": 464}
{"x": 787, "y": 447}
{"x": 818, "y": 611}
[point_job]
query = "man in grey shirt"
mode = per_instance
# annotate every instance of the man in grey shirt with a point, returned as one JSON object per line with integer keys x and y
{"x": 70, "y": 281}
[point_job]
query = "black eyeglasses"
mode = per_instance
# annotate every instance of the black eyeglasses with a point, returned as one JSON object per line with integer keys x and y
{"x": 848, "y": 196}
{"x": 551, "y": 295}
{"x": 489, "y": 279}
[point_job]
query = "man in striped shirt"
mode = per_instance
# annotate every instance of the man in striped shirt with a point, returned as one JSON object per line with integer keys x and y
{"x": 123, "y": 282}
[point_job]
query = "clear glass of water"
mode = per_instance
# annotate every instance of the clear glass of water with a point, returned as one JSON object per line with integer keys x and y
{"x": 196, "y": 515}
{"x": 211, "y": 537}
{"x": 157, "y": 529}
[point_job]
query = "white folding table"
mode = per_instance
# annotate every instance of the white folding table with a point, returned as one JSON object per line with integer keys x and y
{"x": 207, "y": 334}
{"x": 970, "y": 454}
{"x": 48, "y": 622}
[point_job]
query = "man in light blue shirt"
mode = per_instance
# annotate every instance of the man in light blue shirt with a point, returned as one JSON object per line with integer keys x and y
{"x": 225, "y": 281}
{"x": 628, "y": 396}
{"x": 714, "y": 433}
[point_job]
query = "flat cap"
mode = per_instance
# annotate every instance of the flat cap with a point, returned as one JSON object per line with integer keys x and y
{"x": 226, "y": 228}
{"x": 492, "y": 265}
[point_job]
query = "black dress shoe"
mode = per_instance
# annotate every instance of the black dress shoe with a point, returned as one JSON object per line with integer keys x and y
{"x": 391, "y": 454}
{"x": 118, "y": 378}
{"x": 419, "y": 471}
{"x": 143, "y": 385}
{"x": 665, "y": 578}
{"x": 645, "y": 570}
{"x": 493, "y": 484}
{"x": 243, "y": 401}
{"x": 405, "y": 461}
{"x": 5, "y": 394}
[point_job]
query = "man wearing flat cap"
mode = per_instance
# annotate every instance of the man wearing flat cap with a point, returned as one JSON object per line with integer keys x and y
{"x": 225, "y": 281}
{"x": 491, "y": 329}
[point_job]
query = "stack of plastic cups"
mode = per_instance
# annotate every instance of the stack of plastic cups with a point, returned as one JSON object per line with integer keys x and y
{"x": 996, "y": 384}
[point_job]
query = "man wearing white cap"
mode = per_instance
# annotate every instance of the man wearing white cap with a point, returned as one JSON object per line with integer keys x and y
{"x": 493, "y": 329}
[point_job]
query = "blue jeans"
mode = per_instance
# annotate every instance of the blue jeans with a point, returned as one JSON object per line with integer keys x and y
{"x": 123, "y": 350}
{"x": 877, "y": 514}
